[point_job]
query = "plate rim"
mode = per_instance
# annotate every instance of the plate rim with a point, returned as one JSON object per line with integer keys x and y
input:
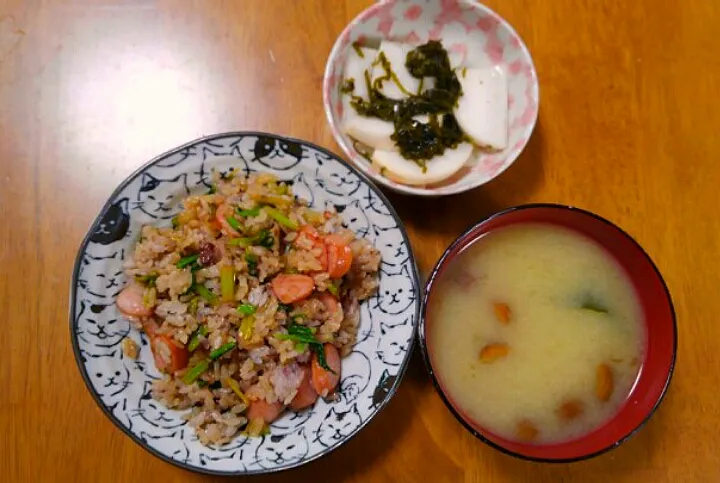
{"x": 98, "y": 218}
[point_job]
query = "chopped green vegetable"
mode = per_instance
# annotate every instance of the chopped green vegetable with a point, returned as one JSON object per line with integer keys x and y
{"x": 301, "y": 347}
{"x": 281, "y": 218}
{"x": 334, "y": 288}
{"x": 246, "y": 309}
{"x": 227, "y": 283}
{"x": 232, "y": 221}
{"x": 247, "y": 213}
{"x": 247, "y": 326}
{"x": 189, "y": 260}
{"x": 307, "y": 339}
{"x": 301, "y": 334}
{"x": 594, "y": 307}
{"x": 358, "y": 50}
{"x": 284, "y": 307}
{"x": 297, "y": 317}
{"x": 148, "y": 280}
{"x": 240, "y": 242}
{"x": 319, "y": 351}
{"x": 149, "y": 296}
{"x": 175, "y": 221}
{"x": 212, "y": 190}
{"x": 252, "y": 262}
{"x": 216, "y": 385}
{"x": 298, "y": 333}
{"x": 275, "y": 200}
{"x": 236, "y": 389}
{"x": 202, "y": 383}
{"x": 194, "y": 342}
{"x": 264, "y": 239}
{"x": 389, "y": 75}
{"x": 196, "y": 371}
{"x": 205, "y": 293}
{"x": 222, "y": 350}
{"x": 193, "y": 305}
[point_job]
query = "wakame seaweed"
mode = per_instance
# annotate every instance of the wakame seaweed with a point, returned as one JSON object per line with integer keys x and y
{"x": 417, "y": 141}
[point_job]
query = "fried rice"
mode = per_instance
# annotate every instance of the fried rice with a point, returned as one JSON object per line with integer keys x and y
{"x": 249, "y": 300}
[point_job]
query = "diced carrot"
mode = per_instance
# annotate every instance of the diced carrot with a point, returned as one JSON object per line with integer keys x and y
{"x": 169, "y": 357}
{"x": 526, "y": 430}
{"x": 130, "y": 302}
{"x": 325, "y": 381}
{"x": 570, "y": 410}
{"x": 339, "y": 255}
{"x": 604, "y": 383}
{"x": 502, "y": 312}
{"x": 261, "y": 409}
{"x": 492, "y": 352}
{"x": 306, "y": 394}
{"x": 290, "y": 288}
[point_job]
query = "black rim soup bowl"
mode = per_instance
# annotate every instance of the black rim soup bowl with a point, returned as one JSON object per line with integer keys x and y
{"x": 658, "y": 360}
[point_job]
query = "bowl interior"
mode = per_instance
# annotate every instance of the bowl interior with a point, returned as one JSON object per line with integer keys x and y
{"x": 475, "y": 36}
{"x": 152, "y": 195}
{"x": 656, "y": 367}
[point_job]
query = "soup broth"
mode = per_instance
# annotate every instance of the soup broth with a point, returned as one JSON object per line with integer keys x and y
{"x": 536, "y": 333}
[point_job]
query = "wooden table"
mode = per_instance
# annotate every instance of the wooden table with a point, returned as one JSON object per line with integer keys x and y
{"x": 91, "y": 89}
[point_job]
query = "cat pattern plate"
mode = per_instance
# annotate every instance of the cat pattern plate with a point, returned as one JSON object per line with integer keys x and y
{"x": 153, "y": 194}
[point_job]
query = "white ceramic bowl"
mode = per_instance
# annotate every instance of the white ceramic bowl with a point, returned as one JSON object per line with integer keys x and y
{"x": 474, "y": 35}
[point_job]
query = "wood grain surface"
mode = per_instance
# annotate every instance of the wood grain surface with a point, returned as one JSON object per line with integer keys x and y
{"x": 92, "y": 89}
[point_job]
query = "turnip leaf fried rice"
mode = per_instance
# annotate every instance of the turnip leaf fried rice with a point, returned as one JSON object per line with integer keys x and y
{"x": 250, "y": 300}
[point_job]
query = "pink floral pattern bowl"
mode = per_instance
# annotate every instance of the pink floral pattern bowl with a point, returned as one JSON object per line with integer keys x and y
{"x": 474, "y": 36}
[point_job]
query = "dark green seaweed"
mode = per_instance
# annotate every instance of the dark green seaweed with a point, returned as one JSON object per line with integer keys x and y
{"x": 417, "y": 141}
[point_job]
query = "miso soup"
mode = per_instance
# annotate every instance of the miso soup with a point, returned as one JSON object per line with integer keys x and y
{"x": 537, "y": 334}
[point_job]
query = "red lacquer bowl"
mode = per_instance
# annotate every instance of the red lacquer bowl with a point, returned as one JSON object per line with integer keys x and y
{"x": 659, "y": 316}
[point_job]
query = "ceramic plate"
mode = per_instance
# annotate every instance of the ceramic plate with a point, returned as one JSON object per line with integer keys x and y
{"x": 152, "y": 195}
{"x": 474, "y": 36}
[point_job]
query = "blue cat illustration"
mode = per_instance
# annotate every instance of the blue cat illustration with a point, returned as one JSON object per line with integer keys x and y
{"x": 337, "y": 425}
{"x": 114, "y": 223}
{"x": 159, "y": 198}
{"x": 101, "y": 331}
{"x": 355, "y": 377}
{"x": 398, "y": 295}
{"x": 235, "y": 457}
{"x": 153, "y": 412}
{"x": 277, "y": 153}
{"x": 392, "y": 353}
{"x": 282, "y": 449}
{"x": 95, "y": 279}
{"x": 339, "y": 186}
{"x": 110, "y": 382}
{"x": 172, "y": 444}
{"x": 301, "y": 189}
{"x": 354, "y": 218}
{"x": 177, "y": 158}
{"x": 384, "y": 385}
{"x": 291, "y": 420}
